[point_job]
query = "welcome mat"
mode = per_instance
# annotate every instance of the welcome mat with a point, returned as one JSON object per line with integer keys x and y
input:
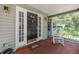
{"x": 33, "y": 46}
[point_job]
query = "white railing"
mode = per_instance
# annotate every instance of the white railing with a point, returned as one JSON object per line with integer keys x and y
{"x": 71, "y": 37}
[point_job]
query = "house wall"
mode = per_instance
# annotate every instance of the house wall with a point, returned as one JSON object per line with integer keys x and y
{"x": 45, "y": 28}
{"x": 8, "y": 29}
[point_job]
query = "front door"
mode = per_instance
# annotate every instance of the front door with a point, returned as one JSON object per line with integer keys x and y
{"x": 21, "y": 20}
{"x": 31, "y": 27}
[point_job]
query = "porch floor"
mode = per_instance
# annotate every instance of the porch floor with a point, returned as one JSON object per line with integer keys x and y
{"x": 46, "y": 47}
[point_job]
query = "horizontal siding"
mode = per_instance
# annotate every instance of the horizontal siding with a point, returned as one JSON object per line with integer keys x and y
{"x": 7, "y": 28}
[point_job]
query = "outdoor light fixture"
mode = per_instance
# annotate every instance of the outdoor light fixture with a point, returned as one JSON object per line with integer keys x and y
{"x": 6, "y": 10}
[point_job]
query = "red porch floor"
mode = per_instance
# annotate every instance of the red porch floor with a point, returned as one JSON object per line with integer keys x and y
{"x": 46, "y": 47}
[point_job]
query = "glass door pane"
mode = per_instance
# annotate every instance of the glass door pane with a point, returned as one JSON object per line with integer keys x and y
{"x": 21, "y": 26}
{"x": 39, "y": 20}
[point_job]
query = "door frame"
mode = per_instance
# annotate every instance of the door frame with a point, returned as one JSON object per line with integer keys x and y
{"x": 17, "y": 44}
{"x": 40, "y": 37}
{"x": 25, "y": 23}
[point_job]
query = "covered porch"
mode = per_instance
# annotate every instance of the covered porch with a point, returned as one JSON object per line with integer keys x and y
{"x": 29, "y": 29}
{"x": 47, "y": 47}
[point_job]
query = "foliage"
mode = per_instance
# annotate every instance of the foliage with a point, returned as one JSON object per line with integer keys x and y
{"x": 71, "y": 22}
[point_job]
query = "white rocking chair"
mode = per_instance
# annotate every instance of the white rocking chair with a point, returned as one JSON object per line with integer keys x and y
{"x": 58, "y": 39}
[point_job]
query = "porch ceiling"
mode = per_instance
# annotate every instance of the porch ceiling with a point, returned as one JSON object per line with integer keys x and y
{"x": 52, "y": 9}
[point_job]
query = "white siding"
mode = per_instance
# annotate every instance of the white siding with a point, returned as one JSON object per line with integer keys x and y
{"x": 7, "y": 28}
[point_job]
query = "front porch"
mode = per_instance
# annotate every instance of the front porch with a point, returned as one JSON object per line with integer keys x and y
{"x": 24, "y": 27}
{"x": 46, "y": 47}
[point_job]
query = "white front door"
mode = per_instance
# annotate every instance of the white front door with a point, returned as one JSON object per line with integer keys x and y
{"x": 21, "y": 27}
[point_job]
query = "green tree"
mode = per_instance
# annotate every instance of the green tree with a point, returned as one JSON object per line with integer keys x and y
{"x": 75, "y": 19}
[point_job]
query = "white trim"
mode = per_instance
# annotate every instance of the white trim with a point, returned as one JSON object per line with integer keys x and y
{"x": 17, "y": 29}
{"x": 38, "y": 24}
{"x": 39, "y": 38}
{"x": 26, "y": 27}
{"x": 33, "y": 42}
